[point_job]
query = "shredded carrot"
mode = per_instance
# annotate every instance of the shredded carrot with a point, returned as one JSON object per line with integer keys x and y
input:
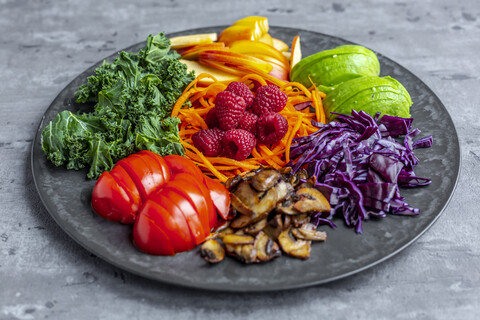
{"x": 196, "y": 100}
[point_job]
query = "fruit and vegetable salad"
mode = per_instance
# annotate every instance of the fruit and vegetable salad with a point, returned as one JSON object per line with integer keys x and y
{"x": 235, "y": 144}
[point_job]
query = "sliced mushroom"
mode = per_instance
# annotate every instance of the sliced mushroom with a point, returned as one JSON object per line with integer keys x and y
{"x": 309, "y": 232}
{"x": 265, "y": 179}
{"x": 274, "y": 227}
{"x": 246, "y": 194}
{"x": 237, "y": 239}
{"x": 285, "y": 170}
{"x": 267, "y": 249}
{"x": 246, "y": 253}
{"x": 239, "y": 206}
{"x": 267, "y": 203}
{"x": 255, "y": 228}
{"x": 224, "y": 232}
{"x": 296, "y": 248}
{"x": 287, "y": 221}
{"x": 311, "y": 200}
{"x": 212, "y": 251}
{"x": 241, "y": 221}
{"x": 300, "y": 175}
{"x": 284, "y": 190}
{"x": 233, "y": 182}
{"x": 287, "y": 207}
{"x": 300, "y": 219}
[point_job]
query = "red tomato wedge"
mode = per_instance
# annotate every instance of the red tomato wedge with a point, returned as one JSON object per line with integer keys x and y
{"x": 220, "y": 197}
{"x": 189, "y": 212}
{"x": 149, "y": 237}
{"x": 196, "y": 197}
{"x": 145, "y": 172}
{"x": 111, "y": 201}
{"x": 171, "y": 220}
{"x": 125, "y": 181}
{"x": 167, "y": 173}
{"x": 179, "y": 164}
{"x": 188, "y": 179}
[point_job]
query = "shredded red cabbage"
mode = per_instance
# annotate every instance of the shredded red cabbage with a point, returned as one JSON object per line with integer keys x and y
{"x": 359, "y": 166}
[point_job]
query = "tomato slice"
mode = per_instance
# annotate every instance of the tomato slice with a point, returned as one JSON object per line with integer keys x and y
{"x": 179, "y": 164}
{"x": 197, "y": 199}
{"x": 188, "y": 179}
{"x": 145, "y": 172}
{"x": 172, "y": 221}
{"x": 167, "y": 174}
{"x": 220, "y": 197}
{"x": 189, "y": 211}
{"x": 111, "y": 201}
{"x": 148, "y": 236}
{"x": 125, "y": 181}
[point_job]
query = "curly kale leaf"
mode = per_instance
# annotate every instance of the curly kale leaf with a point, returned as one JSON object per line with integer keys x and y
{"x": 134, "y": 96}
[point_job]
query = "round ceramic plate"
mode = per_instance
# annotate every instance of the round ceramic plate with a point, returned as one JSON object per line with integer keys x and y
{"x": 66, "y": 195}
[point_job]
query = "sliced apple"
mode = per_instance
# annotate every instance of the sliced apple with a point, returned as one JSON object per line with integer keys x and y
{"x": 191, "y": 40}
{"x": 192, "y": 52}
{"x": 235, "y": 59}
{"x": 296, "y": 52}
{"x": 239, "y": 32}
{"x": 280, "y": 73}
{"x": 222, "y": 67}
{"x": 254, "y": 47}
{"x": 267, "y": 39}
{"x": 271, "y": 60}
{"x": 287, "y": 54}
{"x": 199, "y": 68}
{"x": 280, "y": 45}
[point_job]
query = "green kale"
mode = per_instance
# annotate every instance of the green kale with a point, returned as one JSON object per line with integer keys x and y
{"x": 133, "y": 97}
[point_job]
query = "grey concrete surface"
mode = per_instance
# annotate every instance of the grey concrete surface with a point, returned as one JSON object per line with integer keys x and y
{"x": 44, "y": 274}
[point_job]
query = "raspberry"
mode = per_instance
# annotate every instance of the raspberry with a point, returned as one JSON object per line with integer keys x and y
{"x": 271, "y": 128}
{"x": 209, "y": 141}
{"x": 229, "y": 108}
{"x": 248, "y": 122}
{"x": 269, "y": 99}
{"x": 238, "y": 144}
{"x": 241, "y": 90}
{"x": 211, "y": 119}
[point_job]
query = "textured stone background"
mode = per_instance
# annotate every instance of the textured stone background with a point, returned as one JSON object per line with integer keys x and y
{"x": 44, "y": 274}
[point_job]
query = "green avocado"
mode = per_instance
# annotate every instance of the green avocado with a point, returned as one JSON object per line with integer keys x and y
{"x": 331, "y": 67}
{"x": 370, "y": 94}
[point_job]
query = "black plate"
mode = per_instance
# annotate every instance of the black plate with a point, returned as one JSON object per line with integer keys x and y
{"x": 66, "y": 195}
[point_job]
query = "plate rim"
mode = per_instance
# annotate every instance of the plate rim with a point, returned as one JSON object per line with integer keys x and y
{"x": 232, "y": 289}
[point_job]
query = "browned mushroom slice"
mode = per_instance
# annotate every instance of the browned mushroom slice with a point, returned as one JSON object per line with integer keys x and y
{"x": 274, "y": 227}
{"x": 265, "y": 179}
{"x": 212, "y": 251}
{"x": 267, "y": 203}
{"x": 284, "y": 190}
{"x": 285, "y": 170}
{"x": 309, "y": 232}
{"x": 311, "y": 200}
{"x": 239, "y": 206}
{"x": 300, "y": 175}
{"x": 246, "y": 194}
{"x": 255, "y": 228}
{"x": 241, "y": 221}
{"x": 287, "y": 221}
{"x": 300, "y": 219}
{"x": 246, "y": 253}
{"x": 233, "y": 182}
{"x": 287, "y": 207}
{"x": 267, "y": 249}
{"x": 224, "y": 232}
{"x": 237, "y": 239}
{"x": 296, "y": 248}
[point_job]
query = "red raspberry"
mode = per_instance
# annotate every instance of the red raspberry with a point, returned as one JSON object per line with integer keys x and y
{"x": 238, "y": 144}
{"x": 211, "y": 119}
{"x": 271, "y": 128}
{"x": 241, "y": 90}
{"x": 248, "y": 122}
{"x": 229, "y": 108}
{"x": 209, "y": 141}
{"x": 269, "y": 99}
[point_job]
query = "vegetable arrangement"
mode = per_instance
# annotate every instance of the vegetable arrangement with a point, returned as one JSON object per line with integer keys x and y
{"x": 250, "y": 156}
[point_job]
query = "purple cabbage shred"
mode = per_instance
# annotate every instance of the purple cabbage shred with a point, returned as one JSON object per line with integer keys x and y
{"x": 360, "y": 166}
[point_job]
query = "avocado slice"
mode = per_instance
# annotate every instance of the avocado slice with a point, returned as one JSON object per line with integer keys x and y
{"x": 331, "y": 67}
{"x": 370, "y": 94}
